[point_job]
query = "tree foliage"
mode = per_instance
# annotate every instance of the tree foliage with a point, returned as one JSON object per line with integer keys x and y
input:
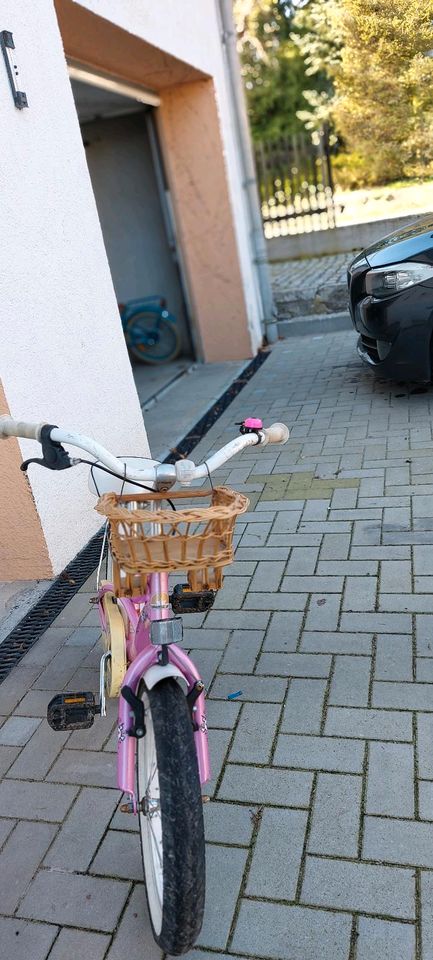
{"x": 361, "y": 65}
{"x": 273, "y": 67}
{"x": 374, "y": 54}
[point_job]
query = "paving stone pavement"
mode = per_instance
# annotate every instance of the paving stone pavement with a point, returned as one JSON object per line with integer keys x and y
{"x": 320, "y": 826}
{"x": 313, "y": 285}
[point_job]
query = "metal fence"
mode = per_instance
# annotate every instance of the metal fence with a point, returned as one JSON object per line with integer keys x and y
{"x": 295, "y": 183}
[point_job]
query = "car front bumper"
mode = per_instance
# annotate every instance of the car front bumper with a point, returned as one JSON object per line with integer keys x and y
{"x": 394, "y": 333}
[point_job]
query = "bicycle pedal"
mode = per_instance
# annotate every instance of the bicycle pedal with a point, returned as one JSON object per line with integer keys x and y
{"x": 72, "y": 711}
{"x": 184, "y": 600}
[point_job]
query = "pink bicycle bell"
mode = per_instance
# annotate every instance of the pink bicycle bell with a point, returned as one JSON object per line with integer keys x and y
{"x": 253, "y": 423}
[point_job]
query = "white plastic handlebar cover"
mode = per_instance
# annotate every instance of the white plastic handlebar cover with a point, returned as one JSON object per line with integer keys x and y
{"x": 185, "y": 471}
{"x": 277, "y": 433}
{"x": 19, "y": 428}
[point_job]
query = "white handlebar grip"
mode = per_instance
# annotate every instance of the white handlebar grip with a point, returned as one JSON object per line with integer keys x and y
{"x": 277, "y": 433}
{"x": 19, "y": 428}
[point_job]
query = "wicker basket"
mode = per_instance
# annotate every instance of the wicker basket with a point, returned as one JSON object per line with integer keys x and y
{"x": 195, "y": 538}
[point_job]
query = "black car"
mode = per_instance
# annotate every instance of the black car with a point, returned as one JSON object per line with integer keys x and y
{"x": 391, "y": 302}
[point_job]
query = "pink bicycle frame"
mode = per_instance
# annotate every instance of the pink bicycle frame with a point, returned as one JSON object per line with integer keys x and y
{"x": 141, "y": 655}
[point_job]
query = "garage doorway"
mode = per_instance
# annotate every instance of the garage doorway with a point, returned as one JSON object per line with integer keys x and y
{"x": 133, "y": 202}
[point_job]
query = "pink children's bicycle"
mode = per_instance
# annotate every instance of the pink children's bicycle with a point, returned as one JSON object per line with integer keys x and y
{"x": 163, "y": 757}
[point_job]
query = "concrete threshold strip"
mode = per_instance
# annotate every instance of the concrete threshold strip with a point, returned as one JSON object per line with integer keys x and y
{"x": 25, "y": 634}
{"x": 154, "y": 397}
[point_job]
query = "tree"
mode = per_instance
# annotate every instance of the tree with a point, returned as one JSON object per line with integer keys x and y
{"x": 317, "y": 35}
{"x": 384, "y": 90}
{"x": 272, "y": 65}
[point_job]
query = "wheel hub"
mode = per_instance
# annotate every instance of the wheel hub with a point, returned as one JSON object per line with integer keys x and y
{"x": 150, "y": 806}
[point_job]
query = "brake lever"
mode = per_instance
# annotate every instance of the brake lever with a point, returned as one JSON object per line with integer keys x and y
{"x": 55, "y": 457}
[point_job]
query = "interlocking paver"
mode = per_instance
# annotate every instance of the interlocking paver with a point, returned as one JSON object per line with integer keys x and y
{"x": 75, "y": 900}
{"x": 304, "y": 706}
{"x": 39, "y": 753}
{"x": 224, "y": 871}
{"x": 119, "y": 855}
{"x": 7, "y": 757}
{"x": 398, "y": 841}
{"x": 255, "y": 733}
{"x": 404, "y": 696}
{"x": 276, "y": 601}
{"x": 284, "y": 932}
{"x": 350, "y": 681}
{"x": 427, "y": 915}
{"x": 323, "y": 613}
{"x": 241, "y": 651}
{"x": 83, "y": 829}
{"x": 336, "y": 815}
{"x": 394, "y": 658}
{"x": 316, "y": 642}
{"x": 360, "y": 594}
{"x": 19, "y": 860}
{"x": 425, "y": 799}
{"x": 134, "y": 939}
{"x": 35, "y": 801}
{"x": 21, "y": 940}
{"x": 222, "y": 714}
{"x": 319, "y": 753}
{"x": 424, "y": 635}
{"x": 367, "y": 888}
{"x": 377, "y": 622}
{"x": 260, "y": 689}
{"x": 369, "y": 724}
{"x": 265, "y": 785}
{"x": 85, "y": 767}
{"x": 72, "y": 944}
{"x": 293, "y": 665}
{"x": 277, "y": 855}
{"x": 228, "y": 823}
{"x": 218, "y": 746}
{"x": 390, "y": 787}
{"x": 424, "y": 742}
{"x": 385, "y": 939}
{"x": 302, "y": 561}
{"x": 16, "y": 731}
{"x": 268, "y": 574}
{"x": 283, "y": 632}
{"x": 335, "y": 546}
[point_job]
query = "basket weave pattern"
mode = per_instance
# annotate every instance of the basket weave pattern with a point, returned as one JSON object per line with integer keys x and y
{"x": 195, "y": 538}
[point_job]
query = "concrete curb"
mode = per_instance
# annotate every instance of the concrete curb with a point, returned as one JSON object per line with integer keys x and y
{"x": 313, "y": 324}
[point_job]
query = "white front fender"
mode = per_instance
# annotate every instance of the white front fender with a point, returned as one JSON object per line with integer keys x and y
{"x": 159, "y": 672}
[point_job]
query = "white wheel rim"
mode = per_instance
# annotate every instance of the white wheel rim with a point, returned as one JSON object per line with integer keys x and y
{"x": 150, "y": 817}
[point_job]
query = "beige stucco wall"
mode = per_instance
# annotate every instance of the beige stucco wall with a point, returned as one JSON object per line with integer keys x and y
{"x": 191, "y": 139}
{"x": 23, "y": 550}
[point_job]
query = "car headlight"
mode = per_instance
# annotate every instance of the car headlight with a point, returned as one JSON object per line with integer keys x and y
{"x": 385, "y": 281}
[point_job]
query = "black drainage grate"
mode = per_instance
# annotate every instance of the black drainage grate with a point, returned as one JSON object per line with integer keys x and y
{"x": 41, "y": 616}
{"x": 202, "y": 426}
{"x": 67, "y": 584}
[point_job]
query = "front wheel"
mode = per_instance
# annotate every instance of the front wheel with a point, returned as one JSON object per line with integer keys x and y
{"x": 171, "y": 818}
{"x": 152, "y": 337}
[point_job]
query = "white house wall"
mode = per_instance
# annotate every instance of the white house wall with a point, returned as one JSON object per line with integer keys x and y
{"x": 62, "y": 356}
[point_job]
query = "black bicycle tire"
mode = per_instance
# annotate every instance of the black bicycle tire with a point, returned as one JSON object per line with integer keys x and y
{"x": 182, "y": 819}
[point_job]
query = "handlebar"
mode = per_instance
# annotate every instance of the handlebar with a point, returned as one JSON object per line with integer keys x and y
{"x": 19, "y": 428}
{"x": 184, "y": 471}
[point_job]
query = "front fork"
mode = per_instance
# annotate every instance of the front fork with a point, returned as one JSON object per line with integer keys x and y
{"x": 180, "y": 666}
{"x": 157, "y": 662}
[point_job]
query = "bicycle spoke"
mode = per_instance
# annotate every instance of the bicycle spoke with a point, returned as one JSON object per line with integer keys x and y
{"x": 155, "y": 841}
